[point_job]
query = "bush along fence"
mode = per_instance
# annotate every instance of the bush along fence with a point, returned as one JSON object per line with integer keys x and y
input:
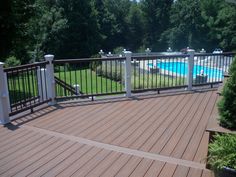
{"x": 27, "y": 86}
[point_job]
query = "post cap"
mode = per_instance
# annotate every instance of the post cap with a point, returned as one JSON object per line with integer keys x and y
{"x": 49, "y": 57}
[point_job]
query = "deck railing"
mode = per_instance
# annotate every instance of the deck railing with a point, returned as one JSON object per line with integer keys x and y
{"x": 89, "y": 77}
{"x": 25, "y": 87}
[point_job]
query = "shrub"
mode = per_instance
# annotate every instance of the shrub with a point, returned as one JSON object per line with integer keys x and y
{"x": 222, "y": 152}
{"x": 227, "y": 104}
{"x": 12, "y": 61}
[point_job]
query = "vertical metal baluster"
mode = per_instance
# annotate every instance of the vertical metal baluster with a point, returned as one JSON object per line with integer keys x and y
{"x": 70, "y": 77}
{"x": 33, "y": 82}
{"x": 152, "y": 72}
{"x": 45, "y": 80}
{"x": 86, "y": 79}
{"x": 81, "y": 80}
{"x": 134, "y": 74}
{"x": 91, "y": 78}
{"x": 106, "y": 75}
{"x": 160, "y": 83}
{"x": 144, "y": 74}
{"x": 97, "y": 63}
{"x": 116, "y": 73}
{"x": 75, "y": 73}
{"x": 9, "y": 88}
{"x": 102, "y": 77}
{"x": 111, "y": 74}
{"x": 139, "y": 75}
{"x": 27, "y": 72}
{"x": 15, "y": 91}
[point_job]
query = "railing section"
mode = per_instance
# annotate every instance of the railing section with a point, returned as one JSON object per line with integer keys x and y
{"x": 210, "y": 68}
{"x": 159, "y": 72}
{"x": 27, "y": 86}
{"x": 89, "y": 77}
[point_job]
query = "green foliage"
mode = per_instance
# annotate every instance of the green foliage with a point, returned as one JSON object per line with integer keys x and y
{"x": 12, "y": 61}
{"x": 73, "y": 29}
{"x": 157, "y": 19}
{"x": 222, "y": 151}
{"x": 118, "y": 50}
{"x": 227, "y": 104}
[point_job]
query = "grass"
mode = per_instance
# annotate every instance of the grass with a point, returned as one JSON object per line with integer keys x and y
{"x": 89, "y": 81}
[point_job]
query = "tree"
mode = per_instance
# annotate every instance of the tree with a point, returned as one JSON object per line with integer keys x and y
{"x": 135, "y": 24}
{"x": 227, "y": 104}
{"x": 6, "y": 28}
{"x": 46, "y": 28}
{"x": 187, "y": 25}
{"x": 156, "y": 15}
{"x": 81, "y": 38}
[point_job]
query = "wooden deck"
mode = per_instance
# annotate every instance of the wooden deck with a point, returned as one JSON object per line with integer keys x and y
{"x": 162, "y": 136}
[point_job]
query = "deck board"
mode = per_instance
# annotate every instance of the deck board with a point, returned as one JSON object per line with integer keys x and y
{"x": 46, "y": 143}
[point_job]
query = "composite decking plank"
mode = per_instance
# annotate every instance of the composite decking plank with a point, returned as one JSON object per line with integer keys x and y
{"x": 199, "y": 132}
{"x": 101, "y": 121}
{"x": 70, "y": 170}
{"x": 141, "y": 119}
{"x": 9, "y": 139}
{"x": 71, "y": 115}
{"x": 67, "y": 162}
{"x": 142, "y": 168}
{"x": 178, "y": 119}
{"x": 155, "y": 169}
{"x": 181, "y": 171}
{"x": 92, "y": 163}
{"x": 16, "y": 142}
{"x": 184, "y": 141}
{"x": 129, "y": 167}
{"x": 193, "y": 172}
{"x": 43, "y": 164}
{"x": 116, "y": 166}
{"x": 207, "y": 173}
{"x": 79, "y": 121}
{"x": 17, "y": 153}
{"x": 140, "y": 130}
{"x": 8, "y": 150}
{"x": 175, "y": 138}
{"x": 151, "y": 129}
{"x": 19, "y": 163}
{"x": 202, "y": 150}
{"x": 119, "y": 117}
{"x": 167, "y": 121}
{"x": 121, "y": 126}
{"x": 104, "y": 165}
{"x": 168, "y": 170}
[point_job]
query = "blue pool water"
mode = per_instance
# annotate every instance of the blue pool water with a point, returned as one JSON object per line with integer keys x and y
{"x": 181, "y": 68}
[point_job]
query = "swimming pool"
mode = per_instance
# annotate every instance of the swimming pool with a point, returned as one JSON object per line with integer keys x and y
{"x": 181, "y": 69}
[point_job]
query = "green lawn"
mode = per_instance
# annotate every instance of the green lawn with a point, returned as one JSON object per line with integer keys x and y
{"x": 89, "y": 81}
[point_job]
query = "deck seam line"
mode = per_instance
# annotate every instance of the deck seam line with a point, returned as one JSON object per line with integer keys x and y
{"x": 124, "y": 150}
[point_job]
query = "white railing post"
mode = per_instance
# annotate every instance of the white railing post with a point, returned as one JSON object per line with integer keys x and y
{"x": 77, "y": 89}
{"x": 50, "y": 79}
{"x": 4, "y": 97}
{"x": 128, "y": 55}
{"x": 41, "y": 78}
{"x": 190, "y": 68}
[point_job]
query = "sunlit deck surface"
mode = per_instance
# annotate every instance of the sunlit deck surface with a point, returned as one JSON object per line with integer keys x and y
{"x": 160, "y": 135}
